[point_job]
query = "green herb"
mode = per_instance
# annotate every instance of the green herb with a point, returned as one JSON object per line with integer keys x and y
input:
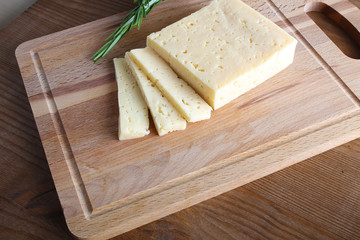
{"x": 133, "y": 18}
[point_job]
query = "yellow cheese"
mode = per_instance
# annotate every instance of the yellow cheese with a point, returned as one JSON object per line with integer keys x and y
{"x": 166, "y": 117}
{"x": 224, "y": 50}
{"x": 133, "y": 112}
{"x": 189, "y": 104}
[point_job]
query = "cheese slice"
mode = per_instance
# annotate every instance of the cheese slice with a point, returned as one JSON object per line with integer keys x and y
{"x": 224, "y": 49}
{"x": 133, "y": 112}
{"x": 183, "y": 97}
{"x": 166, "y": 117}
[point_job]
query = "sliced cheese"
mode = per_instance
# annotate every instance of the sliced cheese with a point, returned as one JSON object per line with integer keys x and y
{"x": 224, "y": 50}
{"x": 166, "y": 117}
{"x": 183, "y": 97}
{"x": 133, "y": 112}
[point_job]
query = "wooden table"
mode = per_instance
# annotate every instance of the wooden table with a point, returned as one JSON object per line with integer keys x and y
{"x": 316, "y": 199}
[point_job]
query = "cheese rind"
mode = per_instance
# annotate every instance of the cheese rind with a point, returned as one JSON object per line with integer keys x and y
{"x": 224, "y": 50}
{"x": 183, "y": 97}
{"x": 133, "y": 112}
{"x": 166, "y": 117}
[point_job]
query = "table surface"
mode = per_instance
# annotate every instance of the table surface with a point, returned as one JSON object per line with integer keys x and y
{"x": 317, "y": 198}
{"x": 10, "y": 9}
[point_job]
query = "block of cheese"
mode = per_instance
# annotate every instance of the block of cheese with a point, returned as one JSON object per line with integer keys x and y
{"x": 133, "y": 112}
{"x": 183, "y": 97}
{"x": 166, "y": 117}
{"x": 224, "y": 49}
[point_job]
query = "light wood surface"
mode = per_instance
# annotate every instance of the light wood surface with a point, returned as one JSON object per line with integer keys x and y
{"x": 286, "y": 204}
{"x": 107, "y": 187}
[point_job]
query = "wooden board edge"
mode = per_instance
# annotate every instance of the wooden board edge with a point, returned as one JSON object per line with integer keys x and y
{"x": 67, "y": 35}
{"x": 145, "y": 210}
{"x": 106, "y": 23}
{"x": 25, "y": 49}
{"x": 319, "y": 56}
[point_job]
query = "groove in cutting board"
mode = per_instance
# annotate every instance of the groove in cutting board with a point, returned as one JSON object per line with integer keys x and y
{"x": 317, "y": 56}
{"x": 65, "y": 145}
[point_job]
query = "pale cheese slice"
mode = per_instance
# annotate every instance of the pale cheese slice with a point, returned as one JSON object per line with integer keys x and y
{"x": 166, "y": 117}
{"x": 224, "y": 50}
{"x": 133, "y": 112}
{"x": 183, "y": 97}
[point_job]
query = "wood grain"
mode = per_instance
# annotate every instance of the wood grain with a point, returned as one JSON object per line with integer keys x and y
{"x": 9, "y": 10}
{"x": 107, "y": 187}
{"x": 286, "y": 204}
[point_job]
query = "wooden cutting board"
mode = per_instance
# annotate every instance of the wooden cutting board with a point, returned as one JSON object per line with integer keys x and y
{"x": 107, "y": 187}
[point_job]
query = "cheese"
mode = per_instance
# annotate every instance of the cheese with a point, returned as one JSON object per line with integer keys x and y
{"x": 166, "y": 117}
{"x": 133, "y": 112}
{"x": 224, "y": 50}
{"x": 188, "y": 103}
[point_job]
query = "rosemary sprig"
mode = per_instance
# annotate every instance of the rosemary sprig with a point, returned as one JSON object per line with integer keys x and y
{"x": 133, "y": 18}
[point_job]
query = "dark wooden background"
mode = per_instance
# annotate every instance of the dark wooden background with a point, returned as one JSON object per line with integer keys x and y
{"x": 316, "y": 199}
